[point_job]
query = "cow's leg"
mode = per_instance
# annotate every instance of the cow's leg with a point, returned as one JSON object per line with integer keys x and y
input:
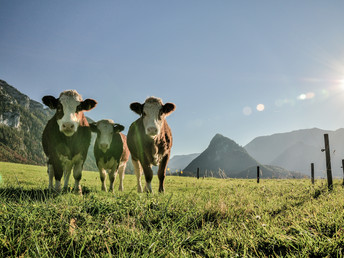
{"x": 148, "y": 176}
{"x": 57, "y": 171}
{"x": 162, "y": 173}
{"x": 121, "y": 170}
{"x": 51, "y": 176}
{"x": 66, "y": 174}
{"x": 102, "y": 174}
{"x": 112, "y": 176}
{"x": 58, "y": 185}
{"x": 77, "y": 172}
{"x": 138, "y": 173}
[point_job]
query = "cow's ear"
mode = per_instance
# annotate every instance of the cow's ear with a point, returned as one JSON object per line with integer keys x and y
{"x": 168, "y": 108}
{"x": 87, "y": 104}
{"x": 50, "y": 101}
{"x": 137, "y": 108}
{"x": 118, "y": 128}
{"x": 93, "y": 127}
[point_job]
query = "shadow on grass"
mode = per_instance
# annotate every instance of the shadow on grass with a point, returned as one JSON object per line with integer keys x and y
{"x": 315, "y": 195}
{"x": 18, "y": 194}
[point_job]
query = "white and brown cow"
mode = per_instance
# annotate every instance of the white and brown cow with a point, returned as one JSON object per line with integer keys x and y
{"x": 150, "y": 140}
{"x": 111, "y": 151}
{"x": 66, "y": 138}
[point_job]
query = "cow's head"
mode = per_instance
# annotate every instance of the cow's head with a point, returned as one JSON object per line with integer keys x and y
{"x": 153, "y": 113}
{"x": 105, "y": 130}
{"x": 69, "y": 107}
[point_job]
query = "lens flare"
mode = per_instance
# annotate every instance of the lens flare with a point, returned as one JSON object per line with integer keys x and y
{"x": 302, "y": 97}
{"x": 247, "y": 111}
{"x": 260, "y": 107}
{"x": 305, "y": 96}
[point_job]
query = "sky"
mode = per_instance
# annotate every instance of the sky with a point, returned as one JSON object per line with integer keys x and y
{"x": 239, "y": 68}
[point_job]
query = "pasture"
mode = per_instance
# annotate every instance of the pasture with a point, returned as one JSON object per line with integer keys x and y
{"x": 205, "y": 217}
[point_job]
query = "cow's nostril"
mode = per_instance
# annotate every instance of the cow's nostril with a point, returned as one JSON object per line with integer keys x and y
{"x": 103, "y": 146}
{"x": 68, "y": 126}
{"x": 152, "y": 130}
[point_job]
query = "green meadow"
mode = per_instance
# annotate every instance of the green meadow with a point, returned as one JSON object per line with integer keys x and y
{"x": 194, "y": 218}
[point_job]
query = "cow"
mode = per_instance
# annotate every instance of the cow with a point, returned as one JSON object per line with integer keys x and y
{"x": 111, "y": 151}
{"x": 66, "y": 138}
{"x": 150, "y": 140}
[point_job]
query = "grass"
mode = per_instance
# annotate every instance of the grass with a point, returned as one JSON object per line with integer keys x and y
{"x": 205, "y": 217}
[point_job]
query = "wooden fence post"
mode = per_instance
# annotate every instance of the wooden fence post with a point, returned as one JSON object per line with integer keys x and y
{"x": 312, "y": 172}
{"x": 343, "y": 169}
{"x": 258, "y": 170}
{"x": 328, "y": 163}
{"x": 197, "y": 173}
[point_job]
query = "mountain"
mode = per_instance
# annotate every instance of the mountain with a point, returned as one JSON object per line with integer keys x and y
{"x": 178, "y": 162}
{"x": 22, "y": 121}
{"x": 223, "y": 155}
{"x": 296, "y": 150}
{"x": 267, "y": 148}
{"x": 301, "y": 155}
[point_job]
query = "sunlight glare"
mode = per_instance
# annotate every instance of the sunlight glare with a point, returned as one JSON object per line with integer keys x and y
{"x": 302, "y": 97}
{"x": 308, "y": 95}
{"x": 260, "y": 107}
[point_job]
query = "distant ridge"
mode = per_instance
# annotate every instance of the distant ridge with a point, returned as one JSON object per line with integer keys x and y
{"x": 224, "y": 158}
{"x": 178, "y": 162}
{"x": 296, "y": 150}
{"x": 268, "y": 171}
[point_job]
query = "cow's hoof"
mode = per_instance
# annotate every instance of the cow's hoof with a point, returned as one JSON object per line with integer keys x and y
{"x": 148, "y": 190}
{"x": 78, "y": 191}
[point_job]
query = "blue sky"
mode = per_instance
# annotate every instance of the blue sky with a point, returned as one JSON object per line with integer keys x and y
{"x": 216, "y": 60}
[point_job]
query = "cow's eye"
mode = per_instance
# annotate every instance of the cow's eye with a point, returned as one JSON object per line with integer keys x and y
{"x": 144, "y": 114}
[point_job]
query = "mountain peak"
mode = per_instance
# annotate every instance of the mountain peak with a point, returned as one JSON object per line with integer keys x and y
{"x": 219, "y": 141}
{"x": 218, "y": 135}
{"x": 222, "y": 153}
